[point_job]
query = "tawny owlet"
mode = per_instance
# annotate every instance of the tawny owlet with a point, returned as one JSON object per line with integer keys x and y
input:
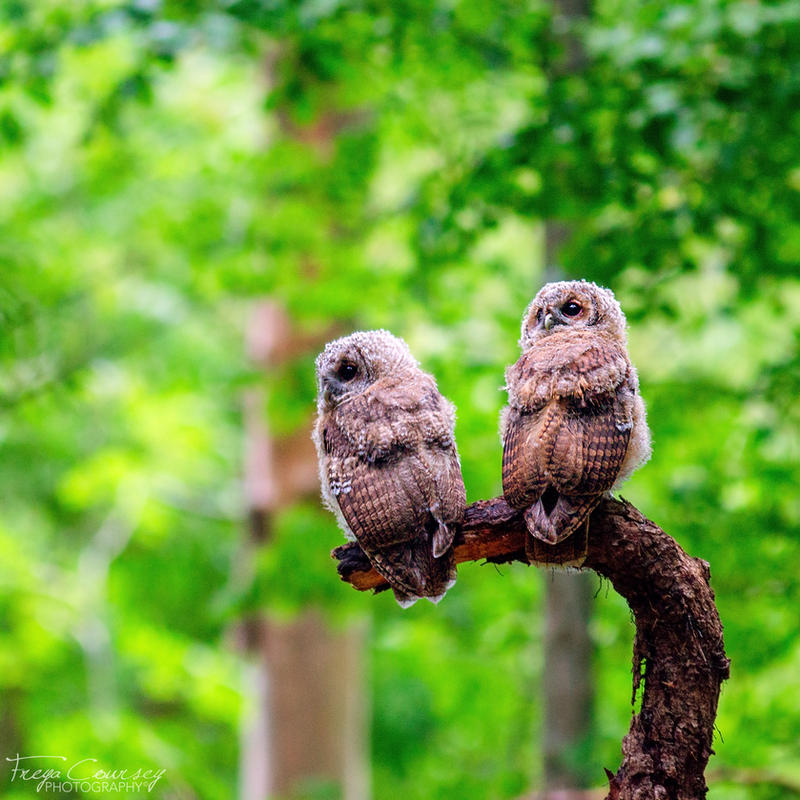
{"x": 389, "y": 467}
{"x": 575, "y": 425}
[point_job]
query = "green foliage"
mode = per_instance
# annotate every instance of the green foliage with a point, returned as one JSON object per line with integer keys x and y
{"x": 389, "y": 165}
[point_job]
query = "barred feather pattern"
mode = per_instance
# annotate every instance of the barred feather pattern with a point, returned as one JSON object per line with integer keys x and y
{"x": 389, "y": 470}
{"x": 575, "y": 424}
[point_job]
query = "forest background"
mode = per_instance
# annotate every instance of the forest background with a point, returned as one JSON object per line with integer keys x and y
{"x": 164, "y": 166}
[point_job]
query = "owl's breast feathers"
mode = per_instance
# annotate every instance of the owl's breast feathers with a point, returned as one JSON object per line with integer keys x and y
{"x": 569, "y": 366}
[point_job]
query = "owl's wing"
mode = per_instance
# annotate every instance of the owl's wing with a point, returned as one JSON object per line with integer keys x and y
{"x": 381, "y": 501}
{"x": 559, "y": 460}
{"x": 524, "y": 462}
{"x": 569, "y": 419}
{"x": 587, "y": 446}
{"x": 403, "y": 509}
{"x": 567, "y": 429}
{"x": 449, "y": 500}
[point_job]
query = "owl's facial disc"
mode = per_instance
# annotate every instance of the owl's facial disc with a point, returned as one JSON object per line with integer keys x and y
{"x": 561, "y": 313}
{"x": 559, "y": 310}
{"x": 346, "y": 375}
{"x": 571, "y": 305}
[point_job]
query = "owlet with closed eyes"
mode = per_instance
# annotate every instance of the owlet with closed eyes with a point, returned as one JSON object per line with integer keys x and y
{"x": 389, "y": 467}
{"x": 575, "y": 424}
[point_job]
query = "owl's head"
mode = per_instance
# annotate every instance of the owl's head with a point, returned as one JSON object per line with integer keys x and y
{"x": 349, "y": 365}
{"x": 571, "y": 305}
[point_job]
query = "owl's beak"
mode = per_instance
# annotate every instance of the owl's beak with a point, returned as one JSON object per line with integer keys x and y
{"x": 549, "y": 321}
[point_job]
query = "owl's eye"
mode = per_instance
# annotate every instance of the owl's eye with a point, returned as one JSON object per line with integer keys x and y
{"x": 539, "y": 315}
{"x": 346, "y": 371}
{"x": 571, "y": 309}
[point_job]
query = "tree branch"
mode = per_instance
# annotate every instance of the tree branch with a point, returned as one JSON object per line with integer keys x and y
{"x": 678, "y": 651}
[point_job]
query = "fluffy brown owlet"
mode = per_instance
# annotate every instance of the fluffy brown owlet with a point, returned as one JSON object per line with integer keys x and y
{"x": 575, "y": 424}
{"x": 388, "y": 462}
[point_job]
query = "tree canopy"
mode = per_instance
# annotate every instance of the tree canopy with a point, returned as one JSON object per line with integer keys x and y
{"x": 163, "y": 165}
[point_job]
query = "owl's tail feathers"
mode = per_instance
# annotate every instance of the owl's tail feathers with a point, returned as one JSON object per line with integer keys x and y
{"x": 552, "y": 520}
{"x": 404, "y": 600}
{"x": 441, "y": 577}
{"x": 413, "y": 571}
{"x": 442, "y": 539}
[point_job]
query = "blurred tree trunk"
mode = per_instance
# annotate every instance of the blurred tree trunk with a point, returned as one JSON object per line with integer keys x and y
{"x": 316, "y": 706}
{"x": 11, "y": 737}
{"x": 568, "y": 685}
{"x": 308, "y": 726}
{"x": 311, "y": 725}
{"x": 567, "y": 681}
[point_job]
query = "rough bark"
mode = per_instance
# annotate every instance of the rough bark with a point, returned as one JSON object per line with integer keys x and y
{"x": 678, "y": 652}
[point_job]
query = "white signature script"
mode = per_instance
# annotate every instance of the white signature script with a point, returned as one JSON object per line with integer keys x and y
{"x": 82, "y": 775}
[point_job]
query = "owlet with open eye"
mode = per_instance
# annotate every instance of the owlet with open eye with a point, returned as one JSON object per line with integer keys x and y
{"x": 389, "y": 467}
{"x": 575, "y": 424}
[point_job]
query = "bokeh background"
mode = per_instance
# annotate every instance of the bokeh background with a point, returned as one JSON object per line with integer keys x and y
{"x": 195, "y": 195}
